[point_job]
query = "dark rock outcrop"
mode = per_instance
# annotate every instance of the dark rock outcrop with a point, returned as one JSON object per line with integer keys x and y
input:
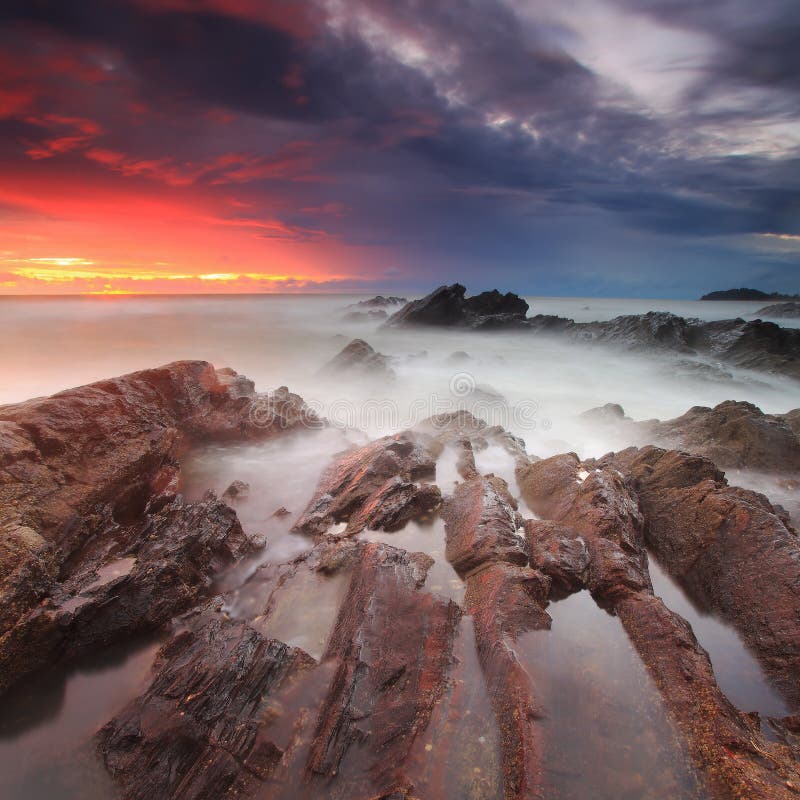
{"x": 746, "y": 294}
{"x": 379, "y": 301}
{"x": 361, "y": 357}
{"x": 447, "y": 306}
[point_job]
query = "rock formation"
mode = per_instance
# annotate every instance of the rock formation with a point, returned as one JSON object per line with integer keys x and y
{"x": 448, "y": 306}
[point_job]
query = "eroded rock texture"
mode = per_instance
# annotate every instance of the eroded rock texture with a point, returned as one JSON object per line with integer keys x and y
{"x": 374, "y": 486}
{"x": 94, "y": 542}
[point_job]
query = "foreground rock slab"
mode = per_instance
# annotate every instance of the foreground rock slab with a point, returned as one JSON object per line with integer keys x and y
{"x": 93, "y": 542}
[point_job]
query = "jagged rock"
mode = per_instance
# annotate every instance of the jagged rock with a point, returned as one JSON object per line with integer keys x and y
{"x": 282, "y": 511}
{"x": 789, "y": 310}
{"x": 352, "y": 488}
{"x": 725, "y": 745}
{"x": 755, "y": 345}
{"x": 391, "y": 668}
{"x": 462, "y": 426}
{"x": 198, "y": 730}
{"x": 447, "y": 306}
{"x": 137, "y": 581}
{"x": 599, "y": 507}
{"x": 792, "y": 419}
{"x": 505, "y": 598}
{"x": 359, "y": 356}
{"x": 238, "y": 490}
{"x": 111, "y": 441}
{"x": 560, "y": 553}
{"x": 394, "y": 504}
{"x": 87, "y": 475}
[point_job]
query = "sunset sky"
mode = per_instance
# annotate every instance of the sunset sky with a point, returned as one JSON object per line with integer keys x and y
{"x": 613, "y": 147}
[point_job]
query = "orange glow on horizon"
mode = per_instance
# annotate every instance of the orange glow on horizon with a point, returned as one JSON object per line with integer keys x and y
{"x": 105, "y": 237}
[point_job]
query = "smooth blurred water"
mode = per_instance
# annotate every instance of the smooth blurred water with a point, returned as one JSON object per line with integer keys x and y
{"x": 49, "y": 344}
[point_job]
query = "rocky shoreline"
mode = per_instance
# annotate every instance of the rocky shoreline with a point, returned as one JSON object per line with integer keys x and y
{"x": 98, "y": 543}
{"x": 755, "y": 345}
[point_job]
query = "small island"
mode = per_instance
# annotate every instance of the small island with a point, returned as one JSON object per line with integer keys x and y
{"x": 748, "y": 294}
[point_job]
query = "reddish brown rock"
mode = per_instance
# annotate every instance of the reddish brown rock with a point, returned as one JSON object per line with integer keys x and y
{"x": 481, "y": 524}
{"x": 392, "y": 646}
{"x": 352, "y": 487}
{"x": 733, "y": 435}
{"x": 394, "y": 504}
{"x": 199, "y": 729}
{"x": 558, "y": 552}
{"x": 728, "y": 548}
{"x": 725, "y": 745}
{"x": 109, "y": 441}
{"x": 597, "y": 505}
{"x": 504, "y": 601}
{"x": 140, "y": 580}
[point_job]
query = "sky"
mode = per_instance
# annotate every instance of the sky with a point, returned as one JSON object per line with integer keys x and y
{"x": 644, "y": 148}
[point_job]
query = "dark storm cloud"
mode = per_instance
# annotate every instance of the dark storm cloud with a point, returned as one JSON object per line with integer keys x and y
{"x": 461, "y": 126}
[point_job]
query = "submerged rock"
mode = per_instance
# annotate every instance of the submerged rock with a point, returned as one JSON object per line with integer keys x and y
{"x": 359, "y": 356}
{"x": 447, "y": 306}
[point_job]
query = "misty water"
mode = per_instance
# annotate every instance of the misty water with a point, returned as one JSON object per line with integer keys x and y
{"x": 533, "y": 385}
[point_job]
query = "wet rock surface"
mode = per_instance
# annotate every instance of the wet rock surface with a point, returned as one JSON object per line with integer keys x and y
{"x": 348, "y": 672}
{"x": 356, "y": 489}
{"x": 728, "y": 547}
{"x": 88, "y": 483}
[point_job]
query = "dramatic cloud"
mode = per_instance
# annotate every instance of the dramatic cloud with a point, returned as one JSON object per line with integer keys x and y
{"x": 615, "y": 146}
